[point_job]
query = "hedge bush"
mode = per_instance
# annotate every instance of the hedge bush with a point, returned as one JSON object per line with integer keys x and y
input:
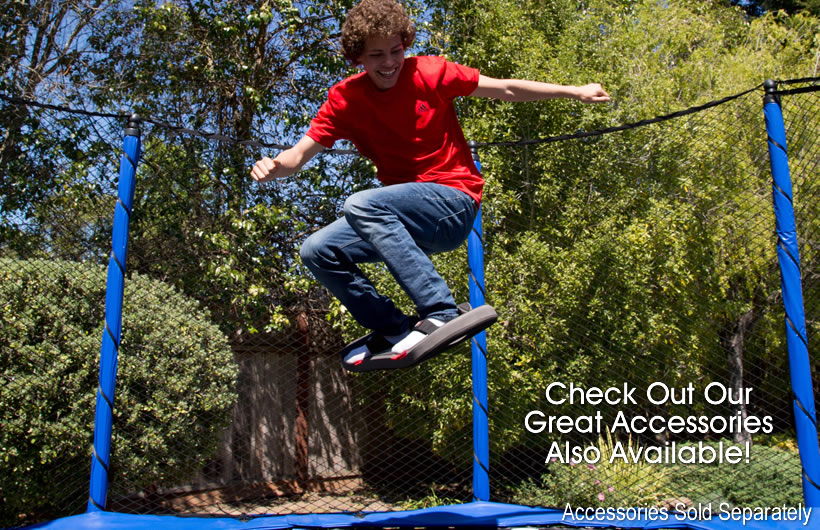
{"x": 770, "y": 478}
{"x": 175, "y": 388}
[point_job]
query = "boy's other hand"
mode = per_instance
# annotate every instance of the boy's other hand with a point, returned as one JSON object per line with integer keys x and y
{"x": 287, "y": 162}
{"x": 266, "y": 169}
{"x": 592, "y": 93}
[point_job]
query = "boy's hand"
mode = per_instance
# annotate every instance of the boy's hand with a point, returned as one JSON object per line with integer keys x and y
{"x": 592, "y": 93}
{"x": 287, "y": 162}
{"x": 267, "y": 169}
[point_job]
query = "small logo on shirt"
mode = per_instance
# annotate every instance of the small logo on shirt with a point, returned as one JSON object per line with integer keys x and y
{"x": 422, "y": 108}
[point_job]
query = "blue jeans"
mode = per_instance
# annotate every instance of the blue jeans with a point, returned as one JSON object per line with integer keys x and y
{"x": 400, "y": 225}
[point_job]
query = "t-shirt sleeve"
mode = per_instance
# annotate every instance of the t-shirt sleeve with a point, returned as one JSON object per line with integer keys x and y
{"x": 327, "y": 126}
{"x": 457, "y": 80}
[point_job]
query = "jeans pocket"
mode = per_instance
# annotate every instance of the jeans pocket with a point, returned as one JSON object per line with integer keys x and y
{"x": 451, "y": 231}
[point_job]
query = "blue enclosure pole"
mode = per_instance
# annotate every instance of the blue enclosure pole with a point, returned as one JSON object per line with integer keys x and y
{"x": 103, "y": 420}
{"x": 481, "y": 434}
{"x": 790, "y": 284}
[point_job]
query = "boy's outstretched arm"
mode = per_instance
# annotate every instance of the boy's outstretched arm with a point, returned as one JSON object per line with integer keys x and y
{"x": 287, "y": 162}
{"x": 523, "y": 90}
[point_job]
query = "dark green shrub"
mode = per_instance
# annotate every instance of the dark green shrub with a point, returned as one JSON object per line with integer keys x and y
{"x": 175, "y": 387}
{"x": 772, "y": 477}
{"x": 610, "y": 482}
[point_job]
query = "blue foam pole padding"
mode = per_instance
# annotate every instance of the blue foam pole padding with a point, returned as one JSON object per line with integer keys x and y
{"x": 115, "y": 287}
{"x": 791, "y": 286}
{"x": 478, "y": 345}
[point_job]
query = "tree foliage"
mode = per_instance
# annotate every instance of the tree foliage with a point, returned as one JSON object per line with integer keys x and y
{"x": 42, "y": 51}
{"x": 757, "y": 8}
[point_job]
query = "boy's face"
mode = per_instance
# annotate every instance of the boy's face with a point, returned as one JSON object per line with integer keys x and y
{"x": 382, "y": 59}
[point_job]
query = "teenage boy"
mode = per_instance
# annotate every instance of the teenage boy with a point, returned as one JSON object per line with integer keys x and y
{"x": 399, "y": 113}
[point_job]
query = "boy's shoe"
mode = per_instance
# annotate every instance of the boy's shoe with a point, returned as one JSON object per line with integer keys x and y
{"x": 375, "y": 343}
{"x": 428, "y": 339}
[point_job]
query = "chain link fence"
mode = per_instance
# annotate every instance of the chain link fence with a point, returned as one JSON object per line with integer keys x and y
{"x": 642, "y": 260}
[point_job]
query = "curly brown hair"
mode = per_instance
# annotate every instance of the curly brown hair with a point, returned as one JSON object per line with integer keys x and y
{"x": 375, "y": 18}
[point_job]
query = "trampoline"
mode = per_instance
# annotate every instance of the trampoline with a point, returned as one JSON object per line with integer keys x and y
{"x": 472, "y": 515}
{"x": 480, "y": 513}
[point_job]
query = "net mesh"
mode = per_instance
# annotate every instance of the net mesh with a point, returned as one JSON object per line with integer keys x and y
{"x": 641, "y": 259}
{"x": 669, "y": 294}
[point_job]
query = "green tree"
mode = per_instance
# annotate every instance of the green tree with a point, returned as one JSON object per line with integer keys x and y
{"x": 41, "y": 58}
{"x": 759, "y": 7}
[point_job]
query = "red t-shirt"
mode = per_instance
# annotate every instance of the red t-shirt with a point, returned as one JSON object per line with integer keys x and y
{"x": 409, "y": 131}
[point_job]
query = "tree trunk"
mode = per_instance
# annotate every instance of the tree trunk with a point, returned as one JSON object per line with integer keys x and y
{"x": 734, "y": 344}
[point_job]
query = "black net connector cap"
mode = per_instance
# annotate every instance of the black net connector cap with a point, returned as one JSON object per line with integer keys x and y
{"x": 473, "y": 149}
{"x": 770, "y": 86}
{"x": 133, "y": 127}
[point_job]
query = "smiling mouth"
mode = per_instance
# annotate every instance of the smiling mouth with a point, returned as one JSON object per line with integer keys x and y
{"x": 388, "y": 74}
